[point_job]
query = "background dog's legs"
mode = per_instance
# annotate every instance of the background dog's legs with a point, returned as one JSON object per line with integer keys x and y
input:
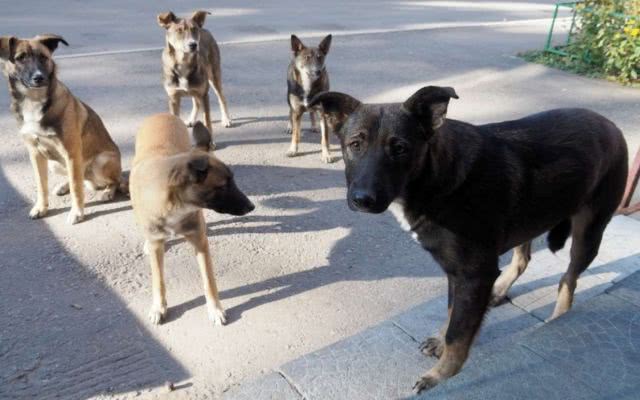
{"x": 295, "y": 118}
{"x": 194, "y": 112}
{"x": 174, "y": 105}
{"x": 201, "y": 245}
{"x": 324, "y": 143}
{"x": 216, "y": 83}
{"x": 39, "y": 164}
{"x": 314, "y": 122}
{"x": 206, "y": 107}
{"x": 470, "y": 302}
{"x": 158, "y": 311}
{"x": 76, "y": 179}
{"x": 434, "y": 346}
{"x": 519, "y": 262}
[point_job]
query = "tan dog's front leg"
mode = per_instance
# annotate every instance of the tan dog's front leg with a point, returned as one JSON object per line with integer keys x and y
{"x": 201, "y": 245}
{"x": 174, "y": 105}
{"x": 76, "y": 176}
{"x": 295, "y": 118}
{"x": 155, "y": 249}
{"x": 39, "y": 164}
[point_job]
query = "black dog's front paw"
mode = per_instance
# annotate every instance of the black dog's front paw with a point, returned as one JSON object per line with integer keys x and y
{"x": 432, "y": 347}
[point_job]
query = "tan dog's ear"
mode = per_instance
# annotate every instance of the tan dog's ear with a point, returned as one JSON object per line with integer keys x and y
{"x": 199, "y": 16}
{"x": 51, "y": 41}
{"x": 166, "y": 19}
{"x": 195, "y": 170}
{"x": 336, "y": 108}
{"x": 296, "y": 44}
{"x": 8, "y": 48}
{"x": 201, "y": 136}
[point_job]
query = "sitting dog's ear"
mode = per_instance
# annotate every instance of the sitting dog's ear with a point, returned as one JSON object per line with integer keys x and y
{"x": 199, "y": 16}
{"x": 429, "y": 105}
{"x": 51, "y": 41}
{"x": 201, "y": 136}
{"x": 166, "y": 19}
{"x": 336, "y": 108}
{"x": 296, "y": 44}
{"x": 325, "y": 45}
{"x": 8, "y": 48}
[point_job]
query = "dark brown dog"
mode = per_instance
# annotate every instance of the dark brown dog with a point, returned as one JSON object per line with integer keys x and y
{"x": 470, "y": 193}
{"x": 170, "y": 185}
{"x": 57, "y": 127}
{"x": 190, "y": 63}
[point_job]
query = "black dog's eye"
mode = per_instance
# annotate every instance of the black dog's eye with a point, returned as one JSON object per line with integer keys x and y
{"x": 355, "y": 146}
{"x": 398, "y": 148}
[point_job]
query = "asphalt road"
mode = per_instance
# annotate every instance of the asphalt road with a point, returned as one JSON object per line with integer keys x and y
{"x": 301, "y": 271}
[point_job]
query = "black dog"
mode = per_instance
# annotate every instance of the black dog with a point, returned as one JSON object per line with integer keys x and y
{"x": 470, "y": 193}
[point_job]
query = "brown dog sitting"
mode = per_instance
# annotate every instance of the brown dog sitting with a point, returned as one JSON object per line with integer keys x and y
{"x": 57, "y": 127}
{"x": 170, "y": 184}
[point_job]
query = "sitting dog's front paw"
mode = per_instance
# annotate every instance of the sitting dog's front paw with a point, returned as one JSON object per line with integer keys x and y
{"x": 157, "y": 315}
{"x": 217, "y": 315}
{"x": 75, "y": 216}
{"x": 432, "y": 347}
{"x": 38, "y": 211}
{"x": 425, "y": 383}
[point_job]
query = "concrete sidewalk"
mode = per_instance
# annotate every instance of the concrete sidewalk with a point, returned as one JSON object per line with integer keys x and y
{"x": 592, "y": 352}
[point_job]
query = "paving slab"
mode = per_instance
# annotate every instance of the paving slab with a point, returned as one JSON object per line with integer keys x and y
{"x": 628, "y": 289}
{"x": 513, "y": 373}
{"x": 501, "y": 324}
{"x": 380, "y": 363}
{"x": 598, "y": 343}
{"x": 272, "y": 386}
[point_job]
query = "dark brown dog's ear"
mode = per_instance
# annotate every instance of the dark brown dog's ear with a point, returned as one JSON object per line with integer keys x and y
{"x": 199, "y": 16}
{"x": 429, "y": 105}
{"x": 201, "y": 136}
{"x": 51, "y": 41}
{"x": 296, "y": 44}
{"x": 325, "y": 45}
{"x": 166, "y": 19}
{"x": 8, "y": 47}
{"x": 336, "y": 107}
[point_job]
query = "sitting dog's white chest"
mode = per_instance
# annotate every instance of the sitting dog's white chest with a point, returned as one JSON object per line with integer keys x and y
{"x": 31, "y": 112}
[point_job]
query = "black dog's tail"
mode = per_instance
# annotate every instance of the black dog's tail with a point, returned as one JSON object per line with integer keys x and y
{"x": 558, "y": 235}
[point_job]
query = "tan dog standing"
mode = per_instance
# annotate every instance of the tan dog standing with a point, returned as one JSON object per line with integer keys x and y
{"x": 170, "y": 184}
{"x": 57, "y": 127}
{"x": 190, "y": 63}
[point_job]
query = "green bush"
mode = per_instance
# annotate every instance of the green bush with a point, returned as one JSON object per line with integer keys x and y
{"x": 607, "y": 39}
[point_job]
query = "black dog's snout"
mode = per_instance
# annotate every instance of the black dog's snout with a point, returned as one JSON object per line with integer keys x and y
{"x": 363, "y": 200}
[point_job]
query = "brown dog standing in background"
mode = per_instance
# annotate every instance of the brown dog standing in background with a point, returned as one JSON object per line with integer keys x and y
{"x": 170, "y": 185}
{"x": 57, "y": 127}
{"x": 306, "y": 77}
{"x": 190, "y": 62}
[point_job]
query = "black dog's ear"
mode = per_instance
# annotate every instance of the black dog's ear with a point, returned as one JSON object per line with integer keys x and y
{"x": 336, "y": 107}
{"x": 199, "y": 16}
{"x": 51, "y": 41}
{"x": 325, "y": 45}
{"x": 296, "y": 44}
{"x": 201, "y": 136}
{"x": 429, "y": 105}
{"x": 166, "y": 19}
{"x": 8, "y": 47}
